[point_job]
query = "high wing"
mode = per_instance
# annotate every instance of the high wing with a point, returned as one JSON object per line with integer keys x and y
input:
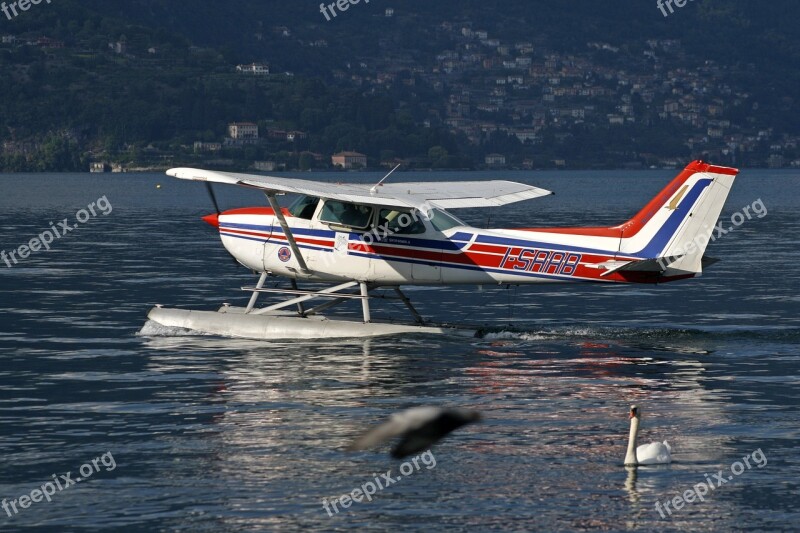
{"x": 446, "y": 195}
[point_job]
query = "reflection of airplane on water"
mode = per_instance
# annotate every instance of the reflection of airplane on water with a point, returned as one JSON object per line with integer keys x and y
{"x": 360, "y": 238}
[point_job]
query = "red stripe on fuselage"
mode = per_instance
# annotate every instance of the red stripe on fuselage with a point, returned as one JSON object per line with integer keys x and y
{"x": 488, "y": 248}
{"x": 304, "y": 240}
{"x": 265, "y": 211}
{"x": 244, "y": 232}
{"x": 501, "y": 260}
{"x": 251, "y": 211}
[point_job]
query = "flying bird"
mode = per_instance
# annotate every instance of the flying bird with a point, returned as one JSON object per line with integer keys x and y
{"x": 419, "y": 429}
{"x": 654, "y": 453}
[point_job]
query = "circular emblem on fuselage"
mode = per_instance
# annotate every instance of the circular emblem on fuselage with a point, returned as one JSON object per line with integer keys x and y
{"x": 284, "y": 254}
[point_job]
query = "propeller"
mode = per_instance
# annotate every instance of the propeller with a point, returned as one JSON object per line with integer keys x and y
{"x": 213, "y": 196}
{"x": 214, "y": 219}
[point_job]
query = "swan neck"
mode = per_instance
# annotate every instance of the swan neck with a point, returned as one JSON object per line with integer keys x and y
{"x": 630, "y": 456}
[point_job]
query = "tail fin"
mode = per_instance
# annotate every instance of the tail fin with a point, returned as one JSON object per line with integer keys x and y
{"x": 675, "y": 227}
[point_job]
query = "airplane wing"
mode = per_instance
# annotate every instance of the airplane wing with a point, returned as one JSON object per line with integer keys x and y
{"x": 462, "y": 194}
{"x": 446, "y": 195}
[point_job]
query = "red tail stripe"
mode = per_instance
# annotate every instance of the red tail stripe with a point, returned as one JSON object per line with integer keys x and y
{"x": 634, "y": 225}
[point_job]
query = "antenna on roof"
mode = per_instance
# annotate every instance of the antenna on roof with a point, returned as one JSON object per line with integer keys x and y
{"x": 374, "y": 188}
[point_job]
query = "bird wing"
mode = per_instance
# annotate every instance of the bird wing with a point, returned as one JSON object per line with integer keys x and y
{"x": 654, "y": 453}
{"x": 415, "y": 442}
{"x": 397, "y": 424}
{"x": 433, "y": 430}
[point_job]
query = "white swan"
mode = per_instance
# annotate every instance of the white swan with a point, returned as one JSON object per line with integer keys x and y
{"x": 654, "y": 453}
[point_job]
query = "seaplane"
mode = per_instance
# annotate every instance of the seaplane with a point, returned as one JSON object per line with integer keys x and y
{"x": 358, "y": 239}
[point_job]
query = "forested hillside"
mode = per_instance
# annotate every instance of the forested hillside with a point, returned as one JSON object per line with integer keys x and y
{"x": 584, "y": 84}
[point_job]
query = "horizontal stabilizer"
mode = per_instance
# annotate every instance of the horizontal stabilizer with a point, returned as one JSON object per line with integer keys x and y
{"x": 659, "y": 264}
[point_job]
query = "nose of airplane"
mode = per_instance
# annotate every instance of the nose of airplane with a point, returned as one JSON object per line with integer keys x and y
{"x": 212, "y": 219}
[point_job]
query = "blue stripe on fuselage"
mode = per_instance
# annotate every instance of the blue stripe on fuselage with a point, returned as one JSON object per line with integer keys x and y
{"x": 395, "y": 240}
{"x": 263, "y": 240}
{"x": 261, "y": 227}
{"x": 404, "y": 240}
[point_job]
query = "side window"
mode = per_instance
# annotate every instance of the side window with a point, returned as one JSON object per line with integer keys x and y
{"x": 444, "y": 221}
{"x": 304, "y": 207}
{"x": 346, "y": 214}
{"x": 400, "y": 222}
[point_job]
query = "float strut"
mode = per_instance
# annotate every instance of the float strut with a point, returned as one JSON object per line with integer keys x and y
{"x": 410, "y": 306}
{"x": 300, "y": 309}
{"x": 254, "y": 297}
{"x": 365, "y": 302}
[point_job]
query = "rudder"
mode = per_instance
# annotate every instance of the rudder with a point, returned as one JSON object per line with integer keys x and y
{"x": 676, "y": 226}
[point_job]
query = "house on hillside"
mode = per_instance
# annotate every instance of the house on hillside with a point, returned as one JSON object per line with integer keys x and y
{"x": 349, "y": 160}
{"x": 265, "y": 166}
{"x": 496, "y": 160}
{"x": 243, "y": 132}
{"x": 253, "y": 69}
{"x": 200, "y": 146}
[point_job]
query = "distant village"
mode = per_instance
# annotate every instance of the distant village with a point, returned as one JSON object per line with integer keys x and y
{"x": 487, "y": 86}
{"x": 491, "y": 85}
{"x": 247, "y": 133}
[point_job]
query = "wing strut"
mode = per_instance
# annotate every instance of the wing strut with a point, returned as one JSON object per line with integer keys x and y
{"x": 287, "y": 231}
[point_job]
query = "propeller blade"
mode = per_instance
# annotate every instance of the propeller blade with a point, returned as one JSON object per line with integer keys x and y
{"x": 213, "y": 197}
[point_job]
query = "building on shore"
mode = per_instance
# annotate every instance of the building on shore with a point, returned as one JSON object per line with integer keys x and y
{"x": 242, "y": 133}
{"x": 495, "y": 160}
{"x": 253, "y": 69}
{"x": 349, "y": 160}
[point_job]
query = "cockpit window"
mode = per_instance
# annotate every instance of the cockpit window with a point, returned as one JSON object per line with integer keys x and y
{"x": 346, "y": 214}
{"x": 400, "y": 222}
{"x": 304, "y": 207}
{"x": 444, "y": 221}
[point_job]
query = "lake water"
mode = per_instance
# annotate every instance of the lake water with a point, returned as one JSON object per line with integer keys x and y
{"x": 214, "y": 434}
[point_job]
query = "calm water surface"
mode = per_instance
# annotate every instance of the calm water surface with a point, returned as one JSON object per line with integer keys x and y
{"x": 213, "y": 434}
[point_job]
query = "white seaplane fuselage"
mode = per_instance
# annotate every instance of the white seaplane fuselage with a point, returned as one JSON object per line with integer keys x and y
{"x": 435, "y": 248}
